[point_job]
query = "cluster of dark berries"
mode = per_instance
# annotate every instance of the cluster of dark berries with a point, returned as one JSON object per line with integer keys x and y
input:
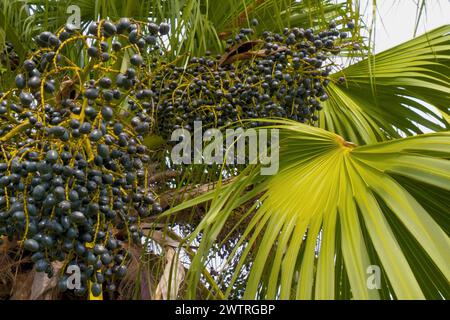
{"x": 73, "y": 170}
{"x": 282, "y": 75}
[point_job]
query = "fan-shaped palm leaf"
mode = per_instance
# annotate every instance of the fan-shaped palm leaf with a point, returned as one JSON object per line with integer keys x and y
{"x": 335, "y": 210}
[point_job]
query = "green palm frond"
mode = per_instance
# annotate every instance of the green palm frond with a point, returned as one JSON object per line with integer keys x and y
{"x": 333, "y": 211}
{"x": 400, "y": 92}
{"x": 197, "y": 26}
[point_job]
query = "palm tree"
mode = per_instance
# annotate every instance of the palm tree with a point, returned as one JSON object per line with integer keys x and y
{"x": 359, "y": 207}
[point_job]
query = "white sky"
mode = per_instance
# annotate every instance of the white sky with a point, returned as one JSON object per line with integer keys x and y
{"x": 396, "y": 19}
